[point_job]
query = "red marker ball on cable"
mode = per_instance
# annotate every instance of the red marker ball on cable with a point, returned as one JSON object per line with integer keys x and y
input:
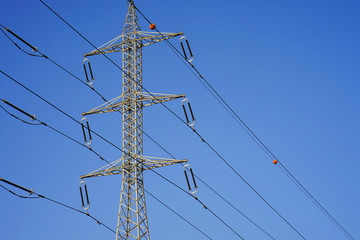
{"x": 152, "y": 26}
{"x": 275, "y": 161}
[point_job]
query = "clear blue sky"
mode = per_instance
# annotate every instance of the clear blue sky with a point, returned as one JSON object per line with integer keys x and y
{"x": 290, "y": 69}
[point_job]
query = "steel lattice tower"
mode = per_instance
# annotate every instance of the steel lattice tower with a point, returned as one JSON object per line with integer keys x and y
{"x": 132, "y": 217}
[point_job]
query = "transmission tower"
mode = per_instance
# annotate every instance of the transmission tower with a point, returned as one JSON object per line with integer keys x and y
{"x": 132, "y": 218}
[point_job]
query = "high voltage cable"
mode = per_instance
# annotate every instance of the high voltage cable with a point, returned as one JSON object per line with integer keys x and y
{"x": 236, "y": 209}
{"x": 219, "y": 195}
{"x": 144, "y": 134}
{"x": 178, "y": 118}
{"x": 42, "y": 123}
{"x": 317, "y": 203}
{"x": 86, "y": 213}
{"x": 103, "y": 98}
{"x": 35, "y": 49}
{"x": 54, "y": 129}
{"x": 198, "y": 75}
{"x": 176, "y": 213}
{"x": 58, "y": 109}
{"x": 30, "y": 191}
{"x": 115, "y": 147}
{"x": 197, "y": 199}
{"x": 257, "y": 140}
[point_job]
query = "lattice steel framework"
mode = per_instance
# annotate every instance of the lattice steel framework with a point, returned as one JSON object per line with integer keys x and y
{"x": 132, "y": 217}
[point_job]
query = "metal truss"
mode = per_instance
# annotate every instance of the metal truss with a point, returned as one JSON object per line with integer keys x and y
{"x": 144, "y": 99}
{"x": 132, "y": 217}
{"x": 146, "y": 38}
{"x": 117, "y": 166}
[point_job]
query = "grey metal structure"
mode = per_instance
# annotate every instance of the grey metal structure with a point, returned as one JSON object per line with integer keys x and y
{"x": 132, "y": 217}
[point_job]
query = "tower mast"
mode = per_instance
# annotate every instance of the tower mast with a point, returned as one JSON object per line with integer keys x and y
{"x": 132, "y": 217}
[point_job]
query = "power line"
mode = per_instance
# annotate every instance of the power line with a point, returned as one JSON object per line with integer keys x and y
{"x": 86, "y": 213}
{"x": 30, "y": 191}
{"x": 202, "y": 80}
{"x": 54, "y": 129}
{"x": 64, "y": 69}
{"x": 175, "y": 116}
{"x": 43, "y": 55}
{"x": 247, "y": 129}
{"x": 143, "y": 132}
{"x": 317, "y": 203}
{"x": 35, "y": 49}
{"x": 42, "y": 123}
{"x": 58, "y": 109}
{"x": 103, "y": 98}
{"x": 177, "y": 214}
{"x": 236, "y": 209}
{"x": 112, "y": 145}
{"x": 218, "y": 194}
{"x": 197, "y": 199}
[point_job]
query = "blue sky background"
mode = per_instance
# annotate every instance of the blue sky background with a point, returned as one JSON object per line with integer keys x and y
{"x": 290, "y": 69}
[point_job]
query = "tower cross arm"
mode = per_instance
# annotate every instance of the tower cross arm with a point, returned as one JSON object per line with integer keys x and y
{"x": 146, "y": 99}
{"x": 147, "y": 38}
{"x": 118, "y": 166}
{"x": 149, "y": 99}
{"x": 151, "y": 38}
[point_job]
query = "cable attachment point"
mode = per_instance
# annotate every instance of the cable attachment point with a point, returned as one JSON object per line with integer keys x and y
{"x": 91, "y": 81}
{"x": 192, "y": 123}
{"x": 192, "y": 191}
{"x": 83, "y": 122}
{"x": 29, "y": 191}
{"x": 189, "y": 49}
{"x": 34, "y": 49}
{"x": 33, "y": 117}
{"x": 87, "y": 206}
